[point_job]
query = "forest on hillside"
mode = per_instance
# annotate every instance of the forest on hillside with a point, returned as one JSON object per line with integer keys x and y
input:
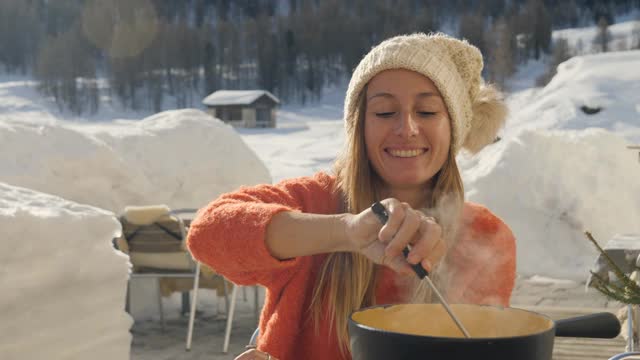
{"x": 146, "y": 52}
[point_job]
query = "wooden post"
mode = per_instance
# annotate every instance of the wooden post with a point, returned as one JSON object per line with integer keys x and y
{"x": 635, "y": 147}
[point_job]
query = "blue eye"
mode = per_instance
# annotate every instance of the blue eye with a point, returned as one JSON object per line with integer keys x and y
{"x": 385, "y": 114}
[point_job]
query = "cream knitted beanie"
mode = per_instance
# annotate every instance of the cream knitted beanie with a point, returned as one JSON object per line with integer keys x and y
{"x": 476, "y": 110}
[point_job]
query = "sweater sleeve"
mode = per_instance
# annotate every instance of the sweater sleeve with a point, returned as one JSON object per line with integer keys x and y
{"x": 489, "y": 248}
{"x": 494, "y": 283}
{"x": 229, "y": 234}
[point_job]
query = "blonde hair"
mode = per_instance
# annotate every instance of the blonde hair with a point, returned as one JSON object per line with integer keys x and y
{"x": 347, "y": 281}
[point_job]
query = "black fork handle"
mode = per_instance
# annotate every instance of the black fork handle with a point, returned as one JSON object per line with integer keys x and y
{"x": 381, "y": 212}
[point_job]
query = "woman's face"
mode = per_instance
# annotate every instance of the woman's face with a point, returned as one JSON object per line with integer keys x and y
{"x": 407, "y": 130}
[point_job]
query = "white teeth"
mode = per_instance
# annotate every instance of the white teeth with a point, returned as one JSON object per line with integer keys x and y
{"x": 406, "y": 153}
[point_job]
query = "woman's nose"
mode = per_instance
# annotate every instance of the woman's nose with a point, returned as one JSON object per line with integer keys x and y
{"x": 407, "y": 126}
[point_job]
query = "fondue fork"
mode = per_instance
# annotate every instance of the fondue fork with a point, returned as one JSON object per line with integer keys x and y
{"x": 381, "y": 212}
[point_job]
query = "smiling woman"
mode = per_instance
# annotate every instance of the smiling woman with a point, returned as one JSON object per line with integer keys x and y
{"x": 407, "y": 132}
{"x": 413, "y": 102}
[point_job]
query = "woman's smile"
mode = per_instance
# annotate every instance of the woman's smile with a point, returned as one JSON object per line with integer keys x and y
{"x": 406, "y": 153}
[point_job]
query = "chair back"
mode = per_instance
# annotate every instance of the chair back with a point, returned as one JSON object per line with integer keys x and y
{"x": 155, "y": 239}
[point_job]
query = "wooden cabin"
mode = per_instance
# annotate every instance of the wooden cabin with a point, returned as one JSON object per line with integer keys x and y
{"x": 243, "y": 108}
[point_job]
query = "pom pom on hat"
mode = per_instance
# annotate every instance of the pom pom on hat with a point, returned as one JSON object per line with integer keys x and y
{"x": 489, "y": 115}
{"x": 476, "y": 110}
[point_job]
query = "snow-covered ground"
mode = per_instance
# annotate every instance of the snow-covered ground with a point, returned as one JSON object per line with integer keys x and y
{"x": 555, "y": 173}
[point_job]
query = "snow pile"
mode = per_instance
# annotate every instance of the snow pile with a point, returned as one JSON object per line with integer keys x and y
{"x": 607, "y": 81}
{"x": 558, "y": 171}
{"x": 182, "y": 158}
{"x": 62, "y": 282}
{"x": 552, "y": 186}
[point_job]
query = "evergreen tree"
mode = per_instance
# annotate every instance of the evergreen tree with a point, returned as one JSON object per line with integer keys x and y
{"x": 18, "y": 35}
{"x": 566, "y": 14}
{"x": 635, "y": 37}
{"x": 561, "y": 53}
{"x": 265, "y": 52}
{"x": 502, "y": 53}
{"x": 472, "y": 28}
{"x": 603, "y": 37}
{"x": 538, "y": 25}
{"x": 66, "y": 72}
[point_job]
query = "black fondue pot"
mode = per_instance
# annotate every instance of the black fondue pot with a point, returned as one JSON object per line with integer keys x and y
{"x": 426, "y": 332}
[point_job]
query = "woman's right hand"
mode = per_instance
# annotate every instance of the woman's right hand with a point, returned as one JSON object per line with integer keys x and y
{"x": 383, "y": 244}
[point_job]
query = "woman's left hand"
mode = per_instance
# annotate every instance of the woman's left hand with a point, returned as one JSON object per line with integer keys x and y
{"x": 255, "y": 354}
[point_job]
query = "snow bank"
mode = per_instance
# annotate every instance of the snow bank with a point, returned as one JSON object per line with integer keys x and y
{"x": 62, "y": 282}
{"x": 610, "y": 81}
{"x": 558, "y": 171}
{"x": 182, "y": 158}
{"x": 552, "y": 186}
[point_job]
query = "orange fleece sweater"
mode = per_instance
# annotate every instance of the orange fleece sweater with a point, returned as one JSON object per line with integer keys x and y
{"x": 228, "y": 235}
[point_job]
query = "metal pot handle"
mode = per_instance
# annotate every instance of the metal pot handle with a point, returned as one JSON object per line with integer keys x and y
{"x": 624, "y": 355}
